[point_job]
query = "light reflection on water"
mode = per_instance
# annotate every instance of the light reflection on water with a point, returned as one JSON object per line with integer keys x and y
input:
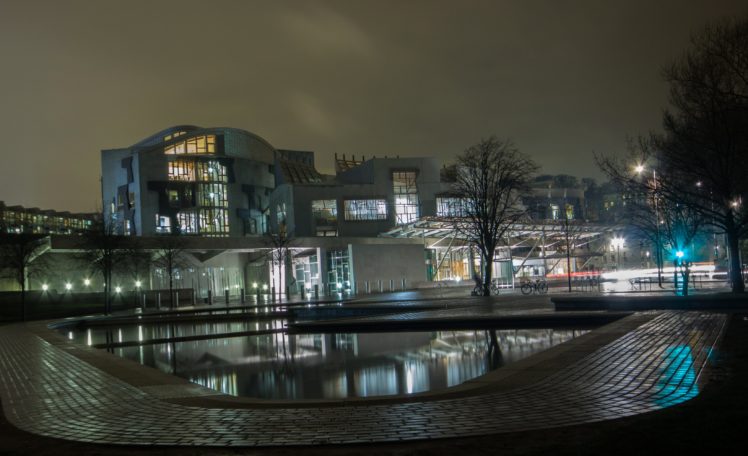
{"x": 151, "y": 331}
{"x": 326, "y": 366}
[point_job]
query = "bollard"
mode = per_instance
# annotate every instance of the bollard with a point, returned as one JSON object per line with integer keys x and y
{"x": 158, "y": 301}
{"x": 272, "y": 294}
{"x": 303, "y": 294}
{"x": 368, "y": 289}
{"x": 288, "y": 293}
{"x": 380, "y": 285}
{"x": 392, "y": 284}
{"x": 257, "y": 295}
{"x": 316, "y": 291}
{"x": 176, "y": 299}
{"x": 226, "y": 295}
{"x": 210, "y": 297}
{"x": 144, "y": 300}
{"x": 403, "y": 284}
{"x": 194, "y": 297}
{"x": 242, "y": 296}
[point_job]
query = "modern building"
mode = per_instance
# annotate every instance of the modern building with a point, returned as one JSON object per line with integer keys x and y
{"x": 19, "y": 219}
{"x": 190, "y": 180}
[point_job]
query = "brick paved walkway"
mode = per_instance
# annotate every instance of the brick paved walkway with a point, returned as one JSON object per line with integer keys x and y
{"x": 50, "y": 392}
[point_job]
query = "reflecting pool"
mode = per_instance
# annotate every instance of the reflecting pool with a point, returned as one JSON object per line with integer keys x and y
{"x": 329, "y": 366}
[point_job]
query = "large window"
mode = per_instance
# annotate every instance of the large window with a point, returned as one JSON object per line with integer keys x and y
{"x": 182, "y": 170}
{"x": 365, "y": 209}
{"x": 187, "y": 222}
{"x": 450, "y": 206}
{"x": 212, "y": 195}
{"x": 211, "y": 171}
{"x": 196, "y": 145}
{"x": 406, "y": 196}
{"x": 325, "y": 214}
{"x": 163, "y": 224}
{"x": 214, "y": 221}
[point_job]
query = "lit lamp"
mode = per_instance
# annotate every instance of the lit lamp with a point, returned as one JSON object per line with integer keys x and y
{"x": 138, "y": 283}
{"x": 86, "y": 282}
{"x": 118, "y": 290}
{"x": 617, "y": 243}
{"x": 45, "y": 287}
{"x": 68, "y": 286}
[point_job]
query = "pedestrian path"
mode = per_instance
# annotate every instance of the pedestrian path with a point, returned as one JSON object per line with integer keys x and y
{"x": 50, "y": 392}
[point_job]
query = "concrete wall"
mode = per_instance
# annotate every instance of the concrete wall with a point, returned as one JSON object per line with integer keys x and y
{"x": 383, "y": 262}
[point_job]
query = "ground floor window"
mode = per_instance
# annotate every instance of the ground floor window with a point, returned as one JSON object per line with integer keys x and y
{"x": 338, "y": 271}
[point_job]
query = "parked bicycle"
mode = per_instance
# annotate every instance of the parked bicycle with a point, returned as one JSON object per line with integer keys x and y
{"x": 538, "y": 286}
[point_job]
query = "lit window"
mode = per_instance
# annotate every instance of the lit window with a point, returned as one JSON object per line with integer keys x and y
{"x": 163, "y": 224}
{"x": 569, "y": 211}
{"x": 450, "y": 207}
{"x": 174, "y": 198}
{"x": 325, "y": 214}
{"x": 181, "y": 170}
{"x": 212, "y": 195}
{"x": 187, "y": 222}
{"x": 214, "y": 221}
{"x": 406, "y": 196}
{"x": 365, "y": 209}
{"x": 196, "y": 145}
{"x": 211, "y": 171}
{"x": 554, "y": 211}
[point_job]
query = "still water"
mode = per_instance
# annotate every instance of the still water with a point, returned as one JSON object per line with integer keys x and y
{"x": 328, "y": 366}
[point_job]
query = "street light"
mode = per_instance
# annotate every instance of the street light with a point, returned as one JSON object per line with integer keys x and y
{"x": 658, "y": 258}
{"x": 617, "y": 242}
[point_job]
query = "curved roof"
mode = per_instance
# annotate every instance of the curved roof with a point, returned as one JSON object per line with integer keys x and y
{"x": 158, "y": 138}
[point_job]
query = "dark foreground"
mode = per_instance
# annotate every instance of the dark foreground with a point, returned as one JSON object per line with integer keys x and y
{"x": 714, "y": 422}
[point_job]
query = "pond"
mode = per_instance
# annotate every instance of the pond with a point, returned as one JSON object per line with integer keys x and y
{"x": 280, "y": 365}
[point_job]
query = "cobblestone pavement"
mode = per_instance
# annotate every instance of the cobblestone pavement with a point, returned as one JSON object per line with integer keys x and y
{"x": 50, "y": 392}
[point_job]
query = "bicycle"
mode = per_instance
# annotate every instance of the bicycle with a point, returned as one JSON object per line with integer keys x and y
{"x": 539, "y": 287}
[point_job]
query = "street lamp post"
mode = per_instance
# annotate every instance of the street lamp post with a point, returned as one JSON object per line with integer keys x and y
{"x": 618, "y": 242}
{"x": 658, "y": 254}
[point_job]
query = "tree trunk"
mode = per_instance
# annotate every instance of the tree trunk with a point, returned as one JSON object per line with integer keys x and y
{"x": 487, "y": 273}
{"x": 736, "y": 271}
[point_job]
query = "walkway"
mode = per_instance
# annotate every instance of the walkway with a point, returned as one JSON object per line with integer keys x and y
{"x": 48, "y": 391}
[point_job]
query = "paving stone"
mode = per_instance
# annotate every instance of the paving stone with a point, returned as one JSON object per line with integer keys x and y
{"x": 48, "y": 391}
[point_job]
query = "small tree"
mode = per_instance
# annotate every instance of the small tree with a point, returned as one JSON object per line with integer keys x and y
{"x": 18, "y": 251}
{"x": 170, "y": 256}
{"x": 279, "y": 249}
{"x": 491, "y": 178}
{"x": 104, "y": 250}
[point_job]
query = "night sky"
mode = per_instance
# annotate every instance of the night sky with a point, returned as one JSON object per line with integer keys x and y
{"x": 408, "y": 78}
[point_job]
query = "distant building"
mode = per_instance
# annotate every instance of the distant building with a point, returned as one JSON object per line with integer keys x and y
{"x": 19, "y": 219}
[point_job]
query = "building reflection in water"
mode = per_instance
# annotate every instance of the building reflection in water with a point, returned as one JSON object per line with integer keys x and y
{"x": 317, "y": 366}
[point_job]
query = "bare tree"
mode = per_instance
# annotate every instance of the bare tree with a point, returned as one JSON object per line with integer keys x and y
{"x": 18, "y": 252}
{"x": 279, "y": 249}
{"x": 170, "y": 256}
{"x": 704, "y": 147}
{"x": 104, "y": 250}
{"x": 490, "y": 180}
{"x": 653, "y": 208}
